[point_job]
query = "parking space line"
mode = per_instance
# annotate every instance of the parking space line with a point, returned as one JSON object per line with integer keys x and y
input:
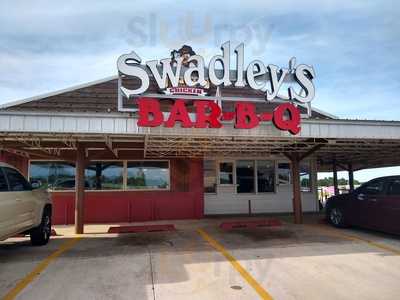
{"x": 333, "y": 232}
{"x": 242, "y": 271}
{"x": 23, "y": 283}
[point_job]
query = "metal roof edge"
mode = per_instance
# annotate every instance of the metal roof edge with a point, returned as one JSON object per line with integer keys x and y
{"x": 322, "y": 112}
{"x": 352, "y": 121}
{"x": 55, "y": 93}
{"x": 129, "y": 115}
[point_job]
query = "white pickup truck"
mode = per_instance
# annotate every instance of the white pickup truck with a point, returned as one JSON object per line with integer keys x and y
{"x": 23, "y": 209}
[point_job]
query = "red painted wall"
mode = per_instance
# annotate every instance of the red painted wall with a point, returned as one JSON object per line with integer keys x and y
{"x": 137, "y": 206}
{"x": 19, "y": 162}
{"x": 185, "y": 200}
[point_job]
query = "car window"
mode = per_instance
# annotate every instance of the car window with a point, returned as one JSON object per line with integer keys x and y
{"x": 373, "y": 187}
{"x": 3, "y": 182}
{"x": 16, "y": 181}
{"x": 394, "y": 187}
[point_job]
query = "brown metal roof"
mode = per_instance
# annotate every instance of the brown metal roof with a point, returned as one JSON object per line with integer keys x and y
{"x": 101, "y": 97}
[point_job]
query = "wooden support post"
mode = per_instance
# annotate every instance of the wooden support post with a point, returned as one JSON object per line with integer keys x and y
{"x": 79, "y": 188}
{"x": 335, "y": 179}
{"x": 351, "y": 177}
{"x": 297, "y": 209}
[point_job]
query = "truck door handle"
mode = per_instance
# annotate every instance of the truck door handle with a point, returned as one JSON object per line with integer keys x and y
{"x": 372, "y": 200}
{"x": 18, "y": 199}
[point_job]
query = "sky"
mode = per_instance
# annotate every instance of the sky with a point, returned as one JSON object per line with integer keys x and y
{"x": 353, "y": 45}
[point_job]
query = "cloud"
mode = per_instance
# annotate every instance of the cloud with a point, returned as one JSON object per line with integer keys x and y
{"x": 353, "y": 45}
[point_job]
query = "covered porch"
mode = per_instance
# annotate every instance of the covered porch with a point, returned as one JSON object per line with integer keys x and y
{"x": 81, "y": 138}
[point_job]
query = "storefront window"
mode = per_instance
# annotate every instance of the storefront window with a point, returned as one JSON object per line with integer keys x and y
{"x": 148, "y": 175}
{"x": 53, "y": 175}
{"x": 104, "y": 176}
{"x": 226, "y": 173}
{"x": 284, "y": 173}
{"x": 305, "y": 177}
{"x": 210, "y": 176}
{"x": 245, "y": 176}
{"x": 265, "y": 176}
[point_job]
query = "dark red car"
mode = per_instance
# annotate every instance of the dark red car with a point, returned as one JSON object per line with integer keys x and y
{"x": 374, "y": 205}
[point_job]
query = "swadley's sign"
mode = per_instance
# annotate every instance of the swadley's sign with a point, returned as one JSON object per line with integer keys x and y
{"x": 185, "y": 73}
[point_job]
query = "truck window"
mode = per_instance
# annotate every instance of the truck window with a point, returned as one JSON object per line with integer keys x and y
{"x": 16, "y": 181}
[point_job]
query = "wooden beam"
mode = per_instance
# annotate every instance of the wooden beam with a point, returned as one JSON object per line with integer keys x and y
{"x": 343, "y": 167}
{"x": 79, "y": 189}
{"x": 335, "y": 179}
{"x": 311, "y": 151}
{"x": 351, "y": 177}
{"x": 109, "y": 145}
{"x": 297, "y": 207}
{"x": 288, "y": 155}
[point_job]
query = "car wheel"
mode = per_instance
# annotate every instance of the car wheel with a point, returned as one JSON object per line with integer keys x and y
{"x": 41, "y": 234}
{"x": 336, "y": 217}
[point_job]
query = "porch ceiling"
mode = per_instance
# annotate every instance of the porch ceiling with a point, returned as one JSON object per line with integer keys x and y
{"x": 361, "y": 153}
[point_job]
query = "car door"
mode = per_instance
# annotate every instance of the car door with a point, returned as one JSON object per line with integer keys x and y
{"x": 25, "y": 202}
{"x": 388, "y": 207}
{"x": 7, "y": 206}
{"x": 364, "y": 203}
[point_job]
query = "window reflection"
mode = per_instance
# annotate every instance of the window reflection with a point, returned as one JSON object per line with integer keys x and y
{"x": 305, "y": 177}
{"x": 226, "y": 173}
{"x": 210, "y": 176}
{"x": 104, "y": 176}
{"x": 148, "y": 175}
{"x": 265, "y": 176}
{"x": 284, "y": 173}
{"x": 245, "y": 176}
{"x": 53, "y": 175}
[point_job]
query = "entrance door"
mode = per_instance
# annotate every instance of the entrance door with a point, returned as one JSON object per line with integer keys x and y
{"x": 226, "y": 185}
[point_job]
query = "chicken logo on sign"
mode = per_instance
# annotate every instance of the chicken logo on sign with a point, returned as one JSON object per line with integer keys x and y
{"x": 184, "y": 53}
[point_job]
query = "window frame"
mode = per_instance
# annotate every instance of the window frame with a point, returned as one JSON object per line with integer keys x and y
{"x": 275, "y": 175}
{"x": 255, "y": 178}
{"x": 216, "y": 168}
{"x": 124, "y": 174}
{"x": 105, "y": 190}
{"x": 53, "y": 161}
{"x": 290, "y": 183}
{"x": 233, "y": 162}
{"x": 27, "y": 188}
{"x": 383, "y": 192}
{"x": 310, "y": 174}
{"x": 147, "y": 160}
{"x": 388, "y": 183}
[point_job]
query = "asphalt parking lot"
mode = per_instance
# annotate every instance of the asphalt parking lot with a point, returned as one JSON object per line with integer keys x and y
{"x": 201, "y": 261}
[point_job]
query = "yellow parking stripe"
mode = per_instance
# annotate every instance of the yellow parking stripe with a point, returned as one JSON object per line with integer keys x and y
{"x": 242, "y": 271}
{"x": 39, "y": 269}
{"x": 335, "y": 232}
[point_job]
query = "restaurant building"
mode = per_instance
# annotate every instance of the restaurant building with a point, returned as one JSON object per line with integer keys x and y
{"x": 137, "y": 147}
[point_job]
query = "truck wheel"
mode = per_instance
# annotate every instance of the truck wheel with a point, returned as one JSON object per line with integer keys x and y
{"x": 41, "y": 234}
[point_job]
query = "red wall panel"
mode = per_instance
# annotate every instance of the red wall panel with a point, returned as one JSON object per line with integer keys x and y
{"x": 17, "y": 161}
{"x": 135, "y": 206}
{"x": 185, "y": 200}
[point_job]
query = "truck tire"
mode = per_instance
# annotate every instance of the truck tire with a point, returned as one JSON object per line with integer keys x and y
{"x": 40, "y": 235}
